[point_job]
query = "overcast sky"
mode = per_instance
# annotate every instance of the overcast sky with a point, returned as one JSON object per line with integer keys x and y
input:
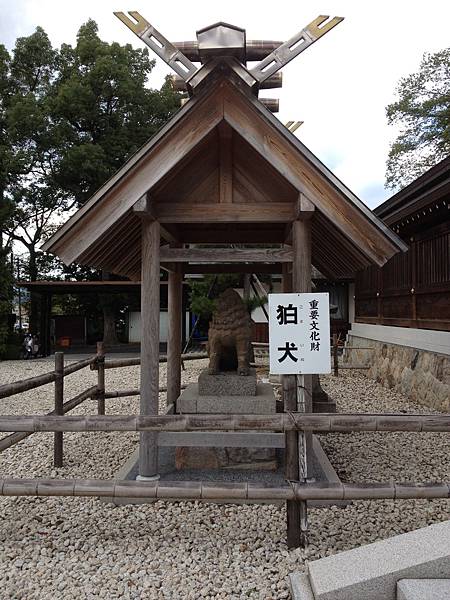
{"x": 339, "y": 87}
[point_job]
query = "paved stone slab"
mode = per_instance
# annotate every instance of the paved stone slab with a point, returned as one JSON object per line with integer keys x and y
{"x": 263, "y": 403}
{"x": 227, "y": 384}
{"x": 371, "y": 572}
{"x": 423, "y": 589}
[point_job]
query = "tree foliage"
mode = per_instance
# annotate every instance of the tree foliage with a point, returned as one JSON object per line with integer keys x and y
{"x": 69, "y": 118}
{"x": 422, "y": 112}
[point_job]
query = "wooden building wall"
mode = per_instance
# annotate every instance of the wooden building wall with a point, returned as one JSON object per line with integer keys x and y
{"x": 412, "y": 289}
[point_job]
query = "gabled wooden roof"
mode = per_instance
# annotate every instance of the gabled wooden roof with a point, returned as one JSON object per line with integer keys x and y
{"x": 224, "y": 169}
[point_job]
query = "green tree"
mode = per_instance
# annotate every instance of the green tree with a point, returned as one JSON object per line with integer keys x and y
{"x": 422, "y": 112}
{"x": 72, "y": 117}
{"x": 104, "y": 108}
{"x": 106, "y": 112}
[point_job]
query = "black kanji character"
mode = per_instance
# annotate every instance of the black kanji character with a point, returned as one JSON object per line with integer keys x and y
{"x": 287, "y": 314}
{"x": 315, "y": 336}
{"x": 288, "y": 349}
{"x": 315, "y": 346}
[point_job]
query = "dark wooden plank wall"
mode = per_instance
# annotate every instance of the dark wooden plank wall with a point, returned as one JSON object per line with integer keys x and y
{"x": 412, "y": 289}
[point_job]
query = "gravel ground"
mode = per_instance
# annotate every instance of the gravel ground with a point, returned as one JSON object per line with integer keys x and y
{"x": 82, "y": 548}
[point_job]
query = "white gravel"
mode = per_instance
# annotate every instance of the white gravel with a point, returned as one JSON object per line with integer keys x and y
{"x": 82, "y": 548}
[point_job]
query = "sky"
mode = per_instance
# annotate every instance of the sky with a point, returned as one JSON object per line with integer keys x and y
{"x": 339, "y": 86}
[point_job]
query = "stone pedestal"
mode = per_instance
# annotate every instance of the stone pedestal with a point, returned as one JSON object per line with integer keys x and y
{"x": 227, "y": 393}
{"x": 263, "y": 402}
{"x": 227, "y": 383}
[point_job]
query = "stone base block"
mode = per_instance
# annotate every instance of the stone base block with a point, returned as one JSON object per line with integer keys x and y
{"x": 227, "y": 383}
{"x": 225, "y": 458}
{"x": 264, "y": 402}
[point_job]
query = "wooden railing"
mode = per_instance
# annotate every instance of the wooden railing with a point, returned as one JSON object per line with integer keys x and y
{"x": 59, "y": 422}
{"x": 97, "y": 363}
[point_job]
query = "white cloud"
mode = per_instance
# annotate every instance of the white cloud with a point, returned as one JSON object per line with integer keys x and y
{"x": 339, "y": 87}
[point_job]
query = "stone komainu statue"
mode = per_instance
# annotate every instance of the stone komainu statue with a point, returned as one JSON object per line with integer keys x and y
{"x": 229, "y": 336}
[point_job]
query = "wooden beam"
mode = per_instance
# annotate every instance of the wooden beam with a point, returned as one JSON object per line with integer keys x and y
{"x": 210, "y": 235}
{"x": 145, "y": 208}
{"x": 263, "y": 212}
{"x": 305, "y": 208}
{"x": 233, "y": 268}
{"x": 223, "y": 255}
{"x": 225, "y": 163}
{"x": 143, "y": 171}
{"x": 150, "y": 308}
{"x": 348, "y": 215}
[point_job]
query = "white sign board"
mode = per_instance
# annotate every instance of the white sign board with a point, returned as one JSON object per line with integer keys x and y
{"x": 299, "y": 333}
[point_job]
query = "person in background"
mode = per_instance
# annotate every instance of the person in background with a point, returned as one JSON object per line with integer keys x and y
{"x": 35, "y": 349}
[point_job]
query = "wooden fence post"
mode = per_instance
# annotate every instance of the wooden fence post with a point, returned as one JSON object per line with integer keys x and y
{"x": 335, "y": 355}
{"x": 100, "y": 379}
{"x": 59, "y": 401}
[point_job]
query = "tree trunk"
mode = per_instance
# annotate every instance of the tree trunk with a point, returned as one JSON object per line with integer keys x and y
{"x": 34, "y": 300}
{"x": 109, "y": 326}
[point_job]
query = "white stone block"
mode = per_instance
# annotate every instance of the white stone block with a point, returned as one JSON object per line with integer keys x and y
{"x": 371, "y": 572}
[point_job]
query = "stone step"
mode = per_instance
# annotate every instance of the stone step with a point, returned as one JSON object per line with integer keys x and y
{"x": 423, "y": 589}
{"x": 372, "y": 571}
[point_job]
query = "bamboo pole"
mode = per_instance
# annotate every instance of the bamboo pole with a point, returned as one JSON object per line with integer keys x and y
{"x": 21, "y": 434}
{"x": 9, "y": 389}
{"x": 116, "y": 363}
{"x": 279, "y": 422}
{"x": 81, "y": 364}
{"x": 59, "y": 408}
{"x": 134, "y": 392}
{"x": 100, "y": 378}
{"x": 223, "y": 491}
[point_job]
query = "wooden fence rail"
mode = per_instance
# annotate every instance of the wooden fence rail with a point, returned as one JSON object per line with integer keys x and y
{"x": 115, "y": 363}
{"x": 134, "y": 392}
{"x": 21, "y": 433}
{"x": 10, "y": 389}
{"x": 280, "y": 422}
{"x": 223, "y": 491}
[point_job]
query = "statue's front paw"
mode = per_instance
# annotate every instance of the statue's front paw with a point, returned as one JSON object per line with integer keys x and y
{"x": 243, "y": 371}
{"x": 212, "y": 371}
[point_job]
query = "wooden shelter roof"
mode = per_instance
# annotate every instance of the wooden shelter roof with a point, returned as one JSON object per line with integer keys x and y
{"x": 224, "y": 170}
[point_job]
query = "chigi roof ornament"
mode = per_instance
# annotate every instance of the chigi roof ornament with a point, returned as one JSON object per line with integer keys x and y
{"x": 223, "y": 42}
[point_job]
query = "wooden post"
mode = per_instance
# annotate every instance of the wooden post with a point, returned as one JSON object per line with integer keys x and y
{"x": 59, "y": 401}
{"x": 150, "y": 309}
{"x": 100, "y": 379}
{"x": 175, "y": 289}
{"x": 301, "y": 282}
{"x": 335, "y": 355}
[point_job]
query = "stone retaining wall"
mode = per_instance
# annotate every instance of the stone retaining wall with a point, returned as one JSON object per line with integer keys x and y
{"x": 419, "y": 374}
